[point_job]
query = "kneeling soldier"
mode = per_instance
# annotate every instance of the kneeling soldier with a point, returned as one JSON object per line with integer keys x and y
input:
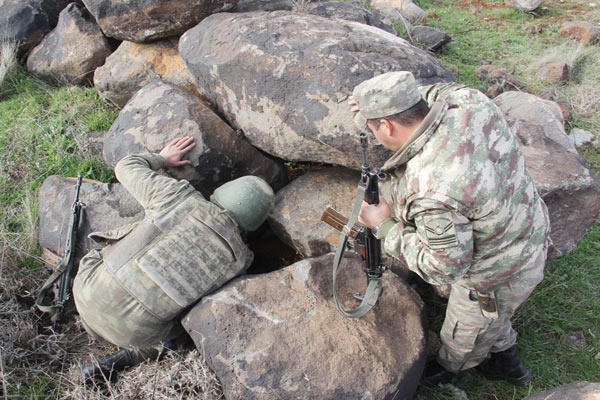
{"x": 133, "y": 291}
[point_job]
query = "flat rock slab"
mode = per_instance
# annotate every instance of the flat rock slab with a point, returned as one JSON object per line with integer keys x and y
{"x": 352, "y": 12}
{"x": 431, "y": 38}
{"x": 296, "y": 216}
{"x": 398, "y": 9}
{"x": 161, "y": 112}
{"x": 132, "y": 66}
{"x": 107, "y": 206}
{"x": 27, "y": 21}
{"x": 147, "y": 20}
{"x": 72, "y": 51}
{"x": 572, "y": 391}
{"x": 280, "y": 336}
{"x": 284, "y": 78}
{"x": 561, "y": 175}
{"x": 263, "y": 5}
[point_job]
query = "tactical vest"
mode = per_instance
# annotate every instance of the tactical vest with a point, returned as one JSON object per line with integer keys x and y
{"x": 169, "y": 263}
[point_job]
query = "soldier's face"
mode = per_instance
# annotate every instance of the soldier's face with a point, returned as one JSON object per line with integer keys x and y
{"x": 383, "y": 134}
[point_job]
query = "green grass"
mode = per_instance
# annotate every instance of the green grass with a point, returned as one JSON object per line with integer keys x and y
{"x": 43, "y": 131}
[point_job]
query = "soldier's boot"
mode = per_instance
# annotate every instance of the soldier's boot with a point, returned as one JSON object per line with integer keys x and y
{"x": 505, "y": 365}
{"x": 105, "y": 370}
{"x": 435, "y": 375}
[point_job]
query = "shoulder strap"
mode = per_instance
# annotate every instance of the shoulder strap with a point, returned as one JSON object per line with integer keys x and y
{"x": 374, "y": 285}
{"x": 42, "y": 302}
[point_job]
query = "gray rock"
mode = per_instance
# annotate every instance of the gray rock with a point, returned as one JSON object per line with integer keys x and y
{"x": 582, "y": 31}
{"x": 561, "y": 175}
{"x": 572, "y": 391}
{"x": 525, "y": 5}
{"x": 132, "y": 66}
{"x": 147, "y": 20}
{"x": 353, "y": 12}
{"x": 160, "y": 112}
{"x": 579, "y": 137}
{"x": 296, "y": 216}
{"x": 72, "y": 51}
{"x": 279, "y": 336}
{"x": 284, "y": 78}
{"x": 398, "y": 9}
{"x": 431, "y": 38}
{"x": 263, "y": 5}
{"x": 27, "y": 21}
{"x": 107, "y": 206}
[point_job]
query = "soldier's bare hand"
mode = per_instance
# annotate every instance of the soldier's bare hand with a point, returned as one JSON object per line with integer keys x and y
{"x": 372, "y": 215}
{"x": 352, "y": 104}
{"x": 174, "y": 151}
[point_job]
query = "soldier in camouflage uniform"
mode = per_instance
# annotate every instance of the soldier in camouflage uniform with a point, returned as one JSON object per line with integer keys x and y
{"x": 465, "y": 212}
{"x": 133, "y": 291}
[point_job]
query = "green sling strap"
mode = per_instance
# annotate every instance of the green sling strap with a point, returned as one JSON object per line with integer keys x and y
{"x": 374, "y": 287}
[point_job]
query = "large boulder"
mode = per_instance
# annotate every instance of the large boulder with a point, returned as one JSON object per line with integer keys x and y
{"x": 296, "y": 216}
{"x": 147, "y": 20}
{"x": 284, "y": 78}
{"x": 279, "y": 336}
{"x": 582, "y": 31}
{"x": 572, "y": 391}
{"x": 27, "y": 21}
{"x": 72, "y": 51}
{"x": 161, "y": 112}
{"x": 107, "y": 206}
{"x": 134, "y": 65}
{"x": 561, "y": 175}
{"x": 353, "y": 12}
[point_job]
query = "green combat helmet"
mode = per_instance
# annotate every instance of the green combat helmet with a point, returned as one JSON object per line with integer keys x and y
{"x": 249, "y": 199}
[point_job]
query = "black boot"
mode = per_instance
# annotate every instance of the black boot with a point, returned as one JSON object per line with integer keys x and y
{"x": 505, "y": 365}
{"x": 435, "y": 375}
{"x": 103, "y": 371}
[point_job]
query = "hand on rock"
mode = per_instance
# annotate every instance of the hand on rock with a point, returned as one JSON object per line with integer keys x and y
{"x": 352, "y": 103}
{"x": 174, "y": 151}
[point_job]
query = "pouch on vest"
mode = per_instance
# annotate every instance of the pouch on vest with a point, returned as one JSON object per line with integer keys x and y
{"x": 168, "y": 264}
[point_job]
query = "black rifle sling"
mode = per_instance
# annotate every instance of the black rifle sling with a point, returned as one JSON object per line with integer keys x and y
{"x": 374, "y": 284}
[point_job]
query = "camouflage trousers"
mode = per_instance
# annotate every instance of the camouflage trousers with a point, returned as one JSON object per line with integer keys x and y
{"x": 108, "y": 312}
{"x": 469, "y": 334}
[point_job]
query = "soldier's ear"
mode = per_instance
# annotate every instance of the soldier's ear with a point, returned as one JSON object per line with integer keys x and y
{"x": 387, "y": 125}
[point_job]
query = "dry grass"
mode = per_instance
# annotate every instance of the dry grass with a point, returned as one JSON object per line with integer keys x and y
{"x": 582, "y": 90}
{"x": 179, "y": 375}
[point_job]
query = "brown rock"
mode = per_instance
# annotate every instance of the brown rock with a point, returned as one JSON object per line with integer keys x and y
{"x": 161, "y": 112}
{"x": 494, "y": 90}
{"x": 561, "y": 175}
{"x": 132, "y": 66}
{"x": 582, "y": 31}
{"x": 572, "y": 391}
{"x": 496, "y": 76}
{"x": 279, "y": 336}
{"x": 72, "y": 51}
{"x": 296, "y": 216}
{"x": 554, "y": 72}
{"x": 107, "y": 206}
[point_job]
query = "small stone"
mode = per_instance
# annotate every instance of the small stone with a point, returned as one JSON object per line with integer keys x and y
{"x": 554, "y": 72}
{"x": 494, "y": 90}
{"x": 583, "y": 31}
{"x": 579, "y": 137}
{"x": 575, "y": 339}
{"x": 431, "y": 38}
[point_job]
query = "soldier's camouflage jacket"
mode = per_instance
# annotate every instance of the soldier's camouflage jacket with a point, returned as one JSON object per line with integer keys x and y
{"x": 132, "y": 290}
{"x": 465, "y": 209}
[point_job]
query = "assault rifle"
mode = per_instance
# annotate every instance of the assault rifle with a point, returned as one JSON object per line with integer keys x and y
{"x": 62, "y": 276}
{"x": 360, "y": 238}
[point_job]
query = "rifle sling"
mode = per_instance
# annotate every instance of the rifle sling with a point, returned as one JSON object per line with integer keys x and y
{"x": 374, "y": 286}
{"x": 42, "y": 299}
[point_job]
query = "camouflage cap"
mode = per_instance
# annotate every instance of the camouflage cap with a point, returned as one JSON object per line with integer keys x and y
{"x": 384, "y": 95}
